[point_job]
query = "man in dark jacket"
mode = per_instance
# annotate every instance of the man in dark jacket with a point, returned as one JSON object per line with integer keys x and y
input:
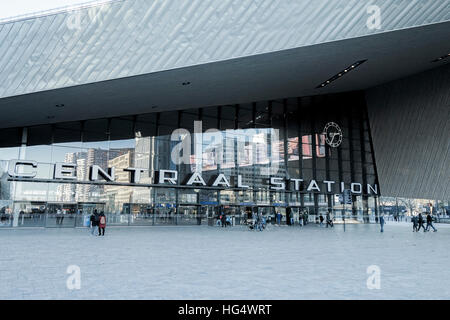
{"x": 224, "y": 220}
{"x": 414, "y": 221}
{"x": 430, "y": 222}
{"x": 420, "y": 220}
{"x": 94, "y": 221}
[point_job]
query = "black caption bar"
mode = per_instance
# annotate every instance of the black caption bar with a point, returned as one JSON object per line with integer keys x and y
{"x": 217, "y": 309}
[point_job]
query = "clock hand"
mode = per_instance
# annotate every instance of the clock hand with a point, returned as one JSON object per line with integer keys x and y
{"x": 333, "y": 135}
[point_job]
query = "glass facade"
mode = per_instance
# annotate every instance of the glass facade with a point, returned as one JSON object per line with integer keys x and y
{"x": 282, "y": 139}
{"x": 403, "y": 209}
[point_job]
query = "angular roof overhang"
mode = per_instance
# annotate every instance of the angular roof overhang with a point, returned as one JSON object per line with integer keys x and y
{"x": 134, "y": 56}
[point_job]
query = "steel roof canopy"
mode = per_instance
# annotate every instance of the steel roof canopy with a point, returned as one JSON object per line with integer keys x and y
{"x": 125, "y": 38}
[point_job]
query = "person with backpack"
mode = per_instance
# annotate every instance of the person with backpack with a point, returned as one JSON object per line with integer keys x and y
{"x": 101, "y": 224}
{"x": 94, "y": 221}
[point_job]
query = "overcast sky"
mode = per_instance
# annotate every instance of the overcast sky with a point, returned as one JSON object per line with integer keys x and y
{"x": 14, "y": 8}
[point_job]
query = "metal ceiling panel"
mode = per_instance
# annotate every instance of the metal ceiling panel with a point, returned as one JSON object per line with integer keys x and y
{"x": 132, "y": 37}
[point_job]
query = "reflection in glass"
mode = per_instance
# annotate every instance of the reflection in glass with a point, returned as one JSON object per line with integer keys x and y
{"x": 255, "y": 140}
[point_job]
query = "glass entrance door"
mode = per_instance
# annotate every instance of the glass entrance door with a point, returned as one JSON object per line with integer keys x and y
{"x": 164, "y": 214}
{"x": 189, "y": 215}
{"x": 86, "y": 209}
{"x": 282, "y": 212}
{"x": 29, "y": 214}
{"x": 61, "y": 215}
{"x": 267, "y": 213}
{"x": 295, "y": 214}
{"x": 137, "y": 214}
{"x": 210, "y": 214}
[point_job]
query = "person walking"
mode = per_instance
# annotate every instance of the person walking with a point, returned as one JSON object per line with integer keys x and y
{"x": 228, "y": 220}
{"x": 101, "y": 224}
{"x": 94, "y": 221}
{"x": 196, "y": 213}
{"x": 300, "y": 219}
{"x": 278, "y": 218}
{"x": 219, "y": 219}
{"x": 430, "y": 223}
{"x": 259, "y": 222}
{"x": 58, "y": 217}
{"x": 414, "y": 221}
{"x": 224, "y": 220}
{"x": 321, "y": 220}
{"x": 382, "y": 222}
{"x": 329, "y": 220}
{"x": 421, "y": 221}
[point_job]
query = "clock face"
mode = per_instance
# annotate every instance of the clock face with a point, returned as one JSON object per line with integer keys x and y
{"x": 333, "y": 134}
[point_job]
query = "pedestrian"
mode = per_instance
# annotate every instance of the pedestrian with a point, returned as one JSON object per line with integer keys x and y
{"x": 430, "y": 222}
{"x": 321, "y": 220}
{"x": 102, "y": 224}
{"x": 278, "y": 218}
{"x": 382, "y": 222}
{"x": 198, "y": 217}
{"x": 224, "y": 220}
{"x": 263, "y": 222}
{"x": 58, "y": 216}
{"x": 329, "y": 220}
{"x": 300, "y": 219}
{"x": 94, "y": 221}
{"x": 259, "y": 223}
{"x": 414, "y": 221}
{"x": 228, "y": 221}
{"x": 421, "y": 221}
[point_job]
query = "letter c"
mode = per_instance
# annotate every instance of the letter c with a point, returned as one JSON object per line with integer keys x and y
{"x": 12, "y": 168}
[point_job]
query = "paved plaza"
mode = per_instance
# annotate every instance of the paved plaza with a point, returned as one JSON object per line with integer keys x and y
{"x": 202, "y": 262}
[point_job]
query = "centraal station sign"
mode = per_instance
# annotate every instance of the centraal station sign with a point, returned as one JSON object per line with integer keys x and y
{"x": 25, "y": 170}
